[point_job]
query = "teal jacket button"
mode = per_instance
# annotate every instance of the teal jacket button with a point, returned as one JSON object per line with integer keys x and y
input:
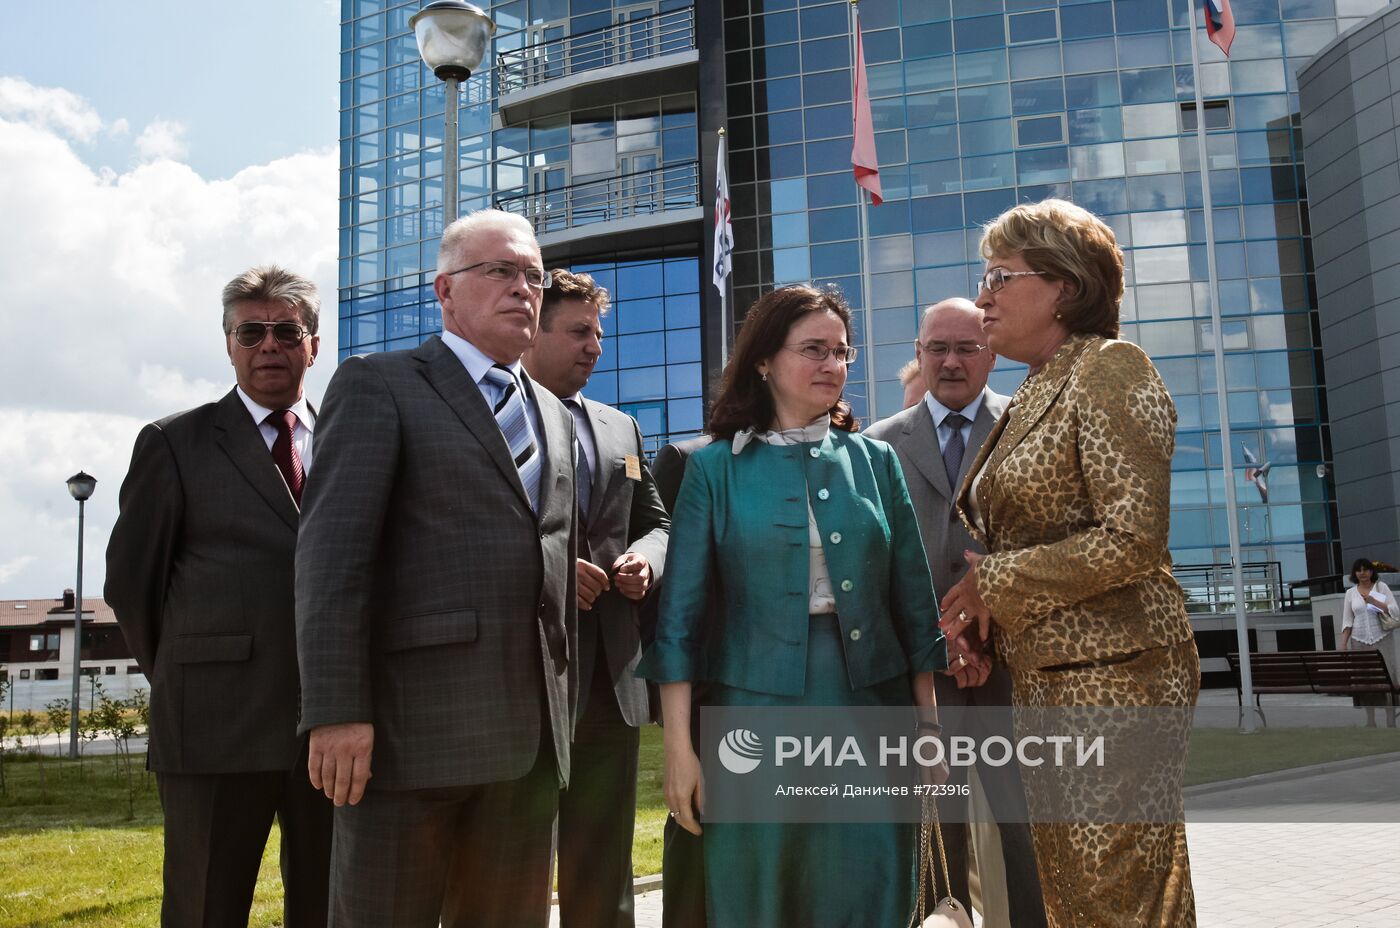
{"x": 823, "y": 493}
{"x": 847, "y": 586}
{"x": 855, "y": 634}
{"x": 836, "y": 538}
{"x": 815, "y": 453}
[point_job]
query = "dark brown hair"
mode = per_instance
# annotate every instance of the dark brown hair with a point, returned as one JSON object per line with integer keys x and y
{"x": 744, "y": 400}
{"x": 1365, "y": 563}
{"x": 566, "y": 285}
{"x": 1069, "y": 243}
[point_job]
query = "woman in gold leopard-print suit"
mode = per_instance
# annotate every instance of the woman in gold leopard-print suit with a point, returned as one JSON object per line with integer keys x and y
{"x": 1071, "y": 495}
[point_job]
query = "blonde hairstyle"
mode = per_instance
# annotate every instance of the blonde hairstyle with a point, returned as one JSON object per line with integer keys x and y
{"x": 455, "y": 236}
{"x": 910, "y": 372}
{"x": 566, "y": 285}
{"x": 269, "y": 283}
{"x": 1068, "y": 243}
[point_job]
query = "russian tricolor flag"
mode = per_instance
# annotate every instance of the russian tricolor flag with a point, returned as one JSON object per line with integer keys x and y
{"x": 1220, "y": 24}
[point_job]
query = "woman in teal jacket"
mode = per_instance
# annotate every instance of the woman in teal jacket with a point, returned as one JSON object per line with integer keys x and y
{"x": 804, "y": 533}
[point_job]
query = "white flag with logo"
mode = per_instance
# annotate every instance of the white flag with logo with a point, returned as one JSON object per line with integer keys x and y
{"x": 724, "y": 229}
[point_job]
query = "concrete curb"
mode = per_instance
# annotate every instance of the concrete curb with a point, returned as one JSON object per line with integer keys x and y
{"x": 1292, "y": 773}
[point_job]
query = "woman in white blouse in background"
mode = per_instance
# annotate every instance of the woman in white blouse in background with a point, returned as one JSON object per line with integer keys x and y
{"x": 1362, "y": 609}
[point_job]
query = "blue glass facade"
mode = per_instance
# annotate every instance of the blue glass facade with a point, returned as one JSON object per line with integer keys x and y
{"x": 391, "y": 194}
{"x": 977, "y": 104}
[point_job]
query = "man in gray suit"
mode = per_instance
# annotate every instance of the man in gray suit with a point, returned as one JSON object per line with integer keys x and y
{"x": 622, "y": 548}
{"x": 435, "y": 605}
{"x": 199, "y": 574}
{"x": 936, "y": 441}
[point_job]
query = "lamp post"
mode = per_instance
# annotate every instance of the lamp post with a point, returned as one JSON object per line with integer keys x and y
{"x": 80, "y": 486}
{"x": 452, "y": 40}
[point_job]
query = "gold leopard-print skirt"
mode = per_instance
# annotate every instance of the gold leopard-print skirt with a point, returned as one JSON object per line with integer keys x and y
{"x": 1111, "y": 875}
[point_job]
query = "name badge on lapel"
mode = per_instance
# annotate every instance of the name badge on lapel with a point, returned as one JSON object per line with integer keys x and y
{"x": 633, "y": 465}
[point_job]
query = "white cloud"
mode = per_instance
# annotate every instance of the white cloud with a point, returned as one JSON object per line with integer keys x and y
{"x": 51, "y": 108}
{"x": 111, "y": 281}
{"x": 162, "y": 139}
{"x": 15, "y": 566}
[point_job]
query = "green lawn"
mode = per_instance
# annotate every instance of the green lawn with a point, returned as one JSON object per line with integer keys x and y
{"x": 1224, "y": 754}
{"x": 74, "y": 858}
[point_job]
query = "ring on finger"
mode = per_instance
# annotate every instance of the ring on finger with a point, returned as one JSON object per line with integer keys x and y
{"x": 962, "y": 660}
{"x": 962, "y": 616}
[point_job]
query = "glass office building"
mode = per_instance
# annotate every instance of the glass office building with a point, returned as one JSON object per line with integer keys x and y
{"x": 598, "y": 120}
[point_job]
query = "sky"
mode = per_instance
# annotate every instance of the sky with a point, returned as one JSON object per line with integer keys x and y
{"x": 145, "y": 160}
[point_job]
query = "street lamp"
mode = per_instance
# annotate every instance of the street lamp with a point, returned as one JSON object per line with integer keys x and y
{"x": 80, "y": 486}
{"x": 452, "y": 39}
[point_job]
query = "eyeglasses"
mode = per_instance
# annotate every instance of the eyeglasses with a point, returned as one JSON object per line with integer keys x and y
{"x": 963, "y": 350}
{"x": 503, "y": 271}
{"x": 995, "y": 279}
{"x": 846, "y": 354}
{"x": 251, "y": 334}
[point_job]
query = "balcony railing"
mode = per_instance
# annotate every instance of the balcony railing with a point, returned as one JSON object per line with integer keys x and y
{"x": 623, "y": 196}
{"x": 635, "y": 40}
{"x": 1210, "y": 588}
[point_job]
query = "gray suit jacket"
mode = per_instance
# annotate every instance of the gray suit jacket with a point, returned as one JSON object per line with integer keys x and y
{"x": 624, "y": 515}
{"x": 199, "y": 574}
{"x": 912, "y": 434}
{"x": 430, "y": 599}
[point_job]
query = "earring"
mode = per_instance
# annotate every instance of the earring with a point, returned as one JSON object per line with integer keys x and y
{"x": 1058, "y": 316}
{"x": 765, "y": 377}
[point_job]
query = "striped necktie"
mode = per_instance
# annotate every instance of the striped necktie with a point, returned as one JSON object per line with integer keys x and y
{"x": 284, "y": 451}
{"x": 511, "y": 415}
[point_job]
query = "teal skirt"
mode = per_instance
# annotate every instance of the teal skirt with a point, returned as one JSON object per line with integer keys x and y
{"x": 827, "y": 875}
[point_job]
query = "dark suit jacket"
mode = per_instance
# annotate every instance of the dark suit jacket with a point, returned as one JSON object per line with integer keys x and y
{"x": 914, "y": 439}
{"x": 199, "y": 574}
{"x": 669, "y": 467}
{"x": 431, "y": 600}
{"x": 624, "y": 515}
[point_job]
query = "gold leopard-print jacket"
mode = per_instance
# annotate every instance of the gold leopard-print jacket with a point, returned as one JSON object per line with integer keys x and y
{"x": 1076, "y": 500}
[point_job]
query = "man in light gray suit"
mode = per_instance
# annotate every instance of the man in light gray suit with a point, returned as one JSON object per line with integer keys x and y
{"x": 622, "y": 548}
{"x": 199, "y": 574}
{"x": 937, "y": 440}
{"x": 435, "y": 605}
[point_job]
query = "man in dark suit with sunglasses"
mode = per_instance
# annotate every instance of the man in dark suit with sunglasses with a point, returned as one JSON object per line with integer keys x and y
{"x": 199, "y": 574}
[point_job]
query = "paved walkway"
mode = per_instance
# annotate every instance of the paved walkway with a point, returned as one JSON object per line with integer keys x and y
{"x": 1295, "y": 853}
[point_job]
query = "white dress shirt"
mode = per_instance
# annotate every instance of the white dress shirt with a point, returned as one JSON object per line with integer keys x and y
{"x": 301, "y": 432}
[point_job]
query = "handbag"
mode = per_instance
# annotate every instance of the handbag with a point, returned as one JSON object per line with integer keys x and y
{"x": 949, "y": 912}
{"x": 1388, "y": 622}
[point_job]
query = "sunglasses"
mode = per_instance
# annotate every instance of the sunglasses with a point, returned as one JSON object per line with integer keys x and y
{"x": 251, "y": 334}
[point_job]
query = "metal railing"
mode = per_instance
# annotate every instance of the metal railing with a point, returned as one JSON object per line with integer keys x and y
{"x": 1210, "y": 588}
{"x": 642, "y": 193}
{"x": 635, "y": 40}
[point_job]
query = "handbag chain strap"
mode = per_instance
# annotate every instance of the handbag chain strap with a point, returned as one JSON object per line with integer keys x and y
{"x": 929, "y": 828}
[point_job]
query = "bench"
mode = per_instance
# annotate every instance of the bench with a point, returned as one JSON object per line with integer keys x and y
{"x": 1326, "y": 673}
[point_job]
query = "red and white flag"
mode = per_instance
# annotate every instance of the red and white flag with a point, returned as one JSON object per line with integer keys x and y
{"x": 1220, "y": 24}
{"x": 863, "y": 158}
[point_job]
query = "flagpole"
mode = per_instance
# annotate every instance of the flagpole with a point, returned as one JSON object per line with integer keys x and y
{"x": 1227, "y": 460}
{"x": 864, "y": 226}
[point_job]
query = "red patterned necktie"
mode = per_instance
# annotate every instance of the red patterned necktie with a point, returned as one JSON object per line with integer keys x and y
{"x": 284, "y": 451}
